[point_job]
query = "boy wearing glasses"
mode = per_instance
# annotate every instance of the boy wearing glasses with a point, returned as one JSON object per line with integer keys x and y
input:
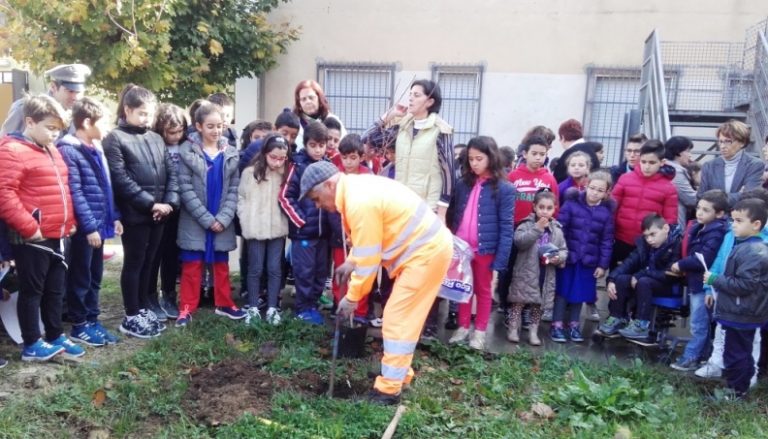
{"x": 631, "y": 156}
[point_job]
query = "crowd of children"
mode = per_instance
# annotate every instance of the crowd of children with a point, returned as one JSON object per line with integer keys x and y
{"x": 178, "y": 191}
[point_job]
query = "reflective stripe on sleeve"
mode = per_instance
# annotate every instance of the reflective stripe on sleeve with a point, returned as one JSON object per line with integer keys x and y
{"x": 416, "y": 219}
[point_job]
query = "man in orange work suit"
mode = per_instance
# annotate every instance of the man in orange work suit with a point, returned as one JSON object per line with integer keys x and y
{"x": 389, "y": 226}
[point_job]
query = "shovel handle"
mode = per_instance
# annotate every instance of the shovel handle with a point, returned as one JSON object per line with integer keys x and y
{"x": 334, "y": 354}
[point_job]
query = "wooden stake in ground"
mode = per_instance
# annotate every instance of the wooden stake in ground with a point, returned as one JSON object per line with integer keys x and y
{"x": 390, "y": 431}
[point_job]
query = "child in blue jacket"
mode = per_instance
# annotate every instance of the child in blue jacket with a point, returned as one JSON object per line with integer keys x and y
{"x": 587, "y": 221}
{"x": 97, "y": 218}
{"x": 484, "y": 209}
{"x": 703, "y": 237}
{"x": 308, "y": 228}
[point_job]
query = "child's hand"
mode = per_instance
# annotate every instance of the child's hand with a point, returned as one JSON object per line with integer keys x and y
{"x": 611, "y": 287}
{"x": 706, "y": 276}
{"x": 542, "y": 223}
{"x": 217, "y": 227}
{"x": 675, "y": 268}
{"x": 599, "y": 272}
{"x": 633, "y": 282}
{"x": 38, "y": 236}
{"x": 94, "y": 239}
{"x": 709, "y": 301}
{"x": 118, "y": 228}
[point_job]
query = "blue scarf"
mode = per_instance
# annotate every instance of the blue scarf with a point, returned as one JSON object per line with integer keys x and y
{"x": 214, "y": 191}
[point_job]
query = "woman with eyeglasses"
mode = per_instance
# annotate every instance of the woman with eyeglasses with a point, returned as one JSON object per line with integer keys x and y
{"x": 735, "y": 171}
{"x": 263, "y": 222}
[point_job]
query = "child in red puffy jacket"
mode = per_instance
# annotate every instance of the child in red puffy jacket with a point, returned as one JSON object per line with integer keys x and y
{"x": 646, "y": 189}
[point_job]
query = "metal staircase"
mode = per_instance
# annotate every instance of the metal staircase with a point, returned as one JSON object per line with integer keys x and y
{"x": 691, "y": 88}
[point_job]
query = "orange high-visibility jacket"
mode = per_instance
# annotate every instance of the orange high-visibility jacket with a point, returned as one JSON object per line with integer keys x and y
{"x": 389, "y": 226}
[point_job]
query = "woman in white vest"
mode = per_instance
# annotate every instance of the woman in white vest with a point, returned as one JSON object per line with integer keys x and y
{"x": 423, "y": 154}
{"x": 310, "y": 104}
{"x": 423, "y": 145}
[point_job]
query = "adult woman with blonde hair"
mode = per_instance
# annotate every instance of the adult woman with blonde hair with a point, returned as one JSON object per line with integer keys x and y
{"x": 734, "y": 171}
{"x": 310, "y": 104}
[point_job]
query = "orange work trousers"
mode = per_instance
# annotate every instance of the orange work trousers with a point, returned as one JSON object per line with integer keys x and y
{"x": 415, "y": 290}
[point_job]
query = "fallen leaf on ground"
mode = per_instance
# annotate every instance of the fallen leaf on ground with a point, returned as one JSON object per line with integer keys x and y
{"x": 99, "y": 396}
{"x": 542, "y": 410}
{"x": 526, "y": 416}
{"x": 98, "y": 434}
{"x": 456, "y": 381}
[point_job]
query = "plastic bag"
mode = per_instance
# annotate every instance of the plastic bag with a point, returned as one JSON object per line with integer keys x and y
{"x": 457, "y": 284}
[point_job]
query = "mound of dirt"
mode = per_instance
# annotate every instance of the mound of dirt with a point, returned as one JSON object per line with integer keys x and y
{"x": 225, "y": 391}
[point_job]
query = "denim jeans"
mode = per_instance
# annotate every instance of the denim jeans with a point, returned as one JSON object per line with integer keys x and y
{"x": 699, "y": 328}
{"x": 271, "y": 251}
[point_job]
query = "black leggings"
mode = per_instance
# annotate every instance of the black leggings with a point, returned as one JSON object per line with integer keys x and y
{"x": 140, "y": 244}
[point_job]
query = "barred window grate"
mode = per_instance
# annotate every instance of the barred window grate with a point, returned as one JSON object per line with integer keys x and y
{"x": 461, "y": 88}
{"x": 357, "y": 93}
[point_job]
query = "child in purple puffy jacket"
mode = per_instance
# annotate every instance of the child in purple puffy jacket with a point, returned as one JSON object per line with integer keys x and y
{"x": 587, "y": 221}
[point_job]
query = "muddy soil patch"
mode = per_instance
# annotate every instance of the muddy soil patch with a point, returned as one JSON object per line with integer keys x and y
{"x": 223, "y": 392}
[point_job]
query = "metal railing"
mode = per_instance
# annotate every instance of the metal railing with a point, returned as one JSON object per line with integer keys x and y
{"x": 653, "y": 102}
{"x": 759, "y": 107}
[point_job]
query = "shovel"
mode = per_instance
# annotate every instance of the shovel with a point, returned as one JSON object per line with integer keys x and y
{"x": 335, "y": 350}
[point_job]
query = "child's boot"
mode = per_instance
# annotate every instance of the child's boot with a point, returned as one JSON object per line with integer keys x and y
{"x": 533, "y": 335}
{"x": 513, "y": 331}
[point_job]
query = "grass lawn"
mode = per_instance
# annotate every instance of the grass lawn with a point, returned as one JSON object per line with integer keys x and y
{"x": 218, "y": 378}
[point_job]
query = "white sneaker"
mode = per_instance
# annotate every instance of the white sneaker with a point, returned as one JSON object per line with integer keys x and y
{"x": 477, "y": 340}
{"x": 273, "y": 316}
{"x": 252, "y": 315}
{"x": 460, "y": 336}
{"x": 592, "y": 314}
{"x": 376, "y": 322}
{"x": 709, "y": 370}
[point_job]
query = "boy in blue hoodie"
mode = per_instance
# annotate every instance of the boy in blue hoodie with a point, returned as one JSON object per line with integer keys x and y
{"x": 308, "y": 228}
{"x": 741, "y": 306}
{"x": 703, "y": 237}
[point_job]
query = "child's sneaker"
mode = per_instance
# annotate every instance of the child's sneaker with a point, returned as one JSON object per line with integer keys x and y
{"x": 106, "y": 335}
{"x": 612, "y": 325}
{"x": 361, "y": 321}
{"x": 477, "y": 340}
{"x": 325, "y": 302}
{"x": 138, "y": 326}
{"x": 40, "y": 351}
{"x": 273, "y": 316}
{"x": 592, "y": 314}
{"x": 71, "y": 349}
{"x": 557, "y": 334}
{"x": 230, "y": 312}
{"x": 310, "y": 316}
{"x": 376, "y": 322}
{"x": 636, "y": 329}
{"x": 184, "y": 318}
{"x": 460, "y": 336}
{"x": 87, "y": 334}
{"x": 685, "y": 365}
{"x": 252, "y": 314}
{"x": 3, "y": 363}
{"x": 709, "y": 370}
{"x": 169, "y": 307}
{"x": 452, "y": 322}
{"x": 575, "y": 335}
{"x": 151, "y": 318}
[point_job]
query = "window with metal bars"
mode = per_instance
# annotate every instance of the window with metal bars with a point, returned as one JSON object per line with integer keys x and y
{"x": 358, "y": 93}
{"x": 461, "y": 87}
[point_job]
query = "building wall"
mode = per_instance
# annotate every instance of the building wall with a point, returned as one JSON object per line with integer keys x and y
{"x": 534, "y": 51}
